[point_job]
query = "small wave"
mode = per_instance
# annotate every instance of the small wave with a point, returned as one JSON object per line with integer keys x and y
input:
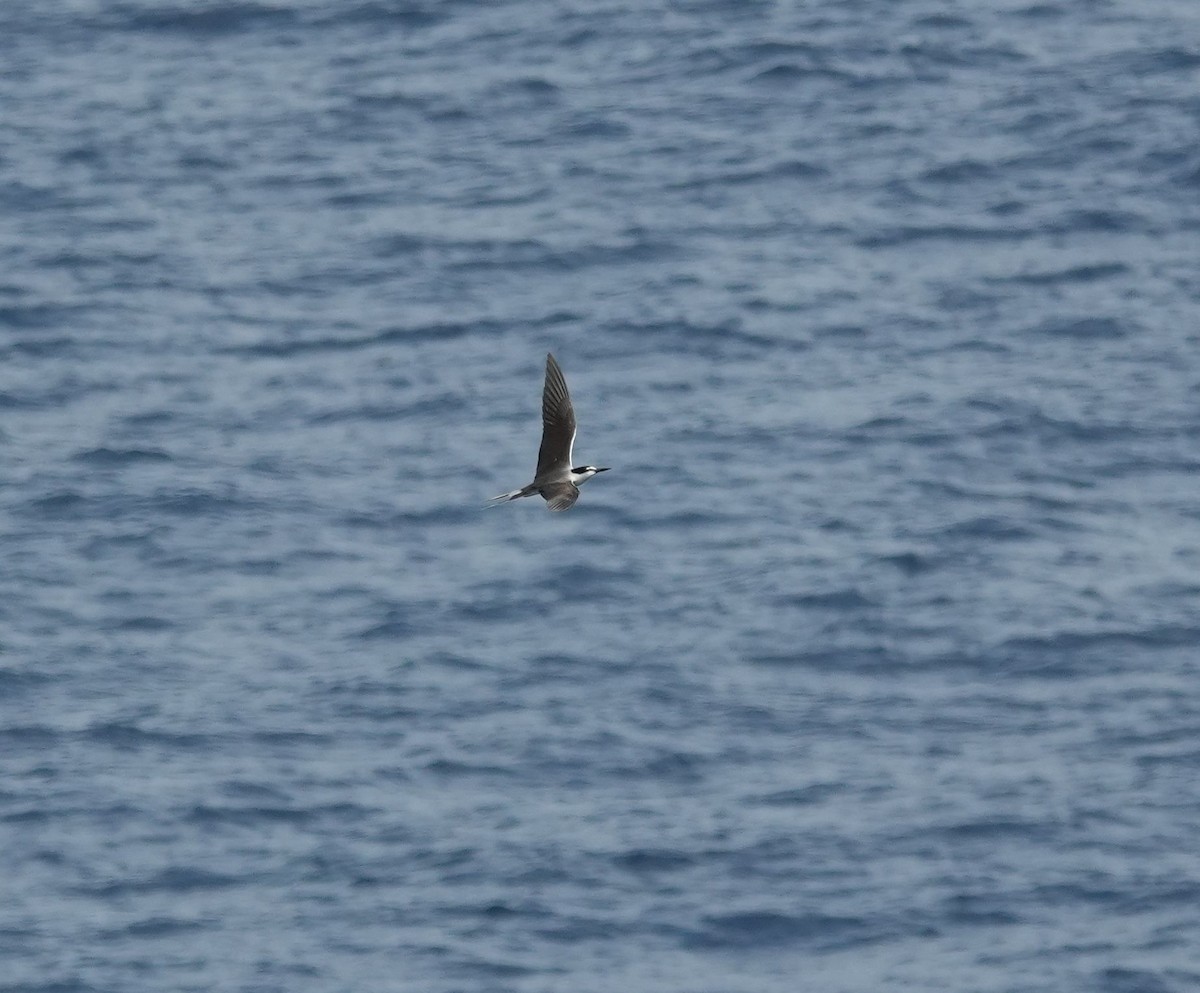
{"x": 205, "y": 19}
{"x": 14, "y": 680}
{"x": 975, "y": 910}
{"x": 1071, "y": 642}
{"x": 844, "y": 599}
{"x": 851, "y": 659}
{"x": 987, "y": 528}
{"x": 653, "y": 860}
{"x": 803, "y": 796}
{"x": 110, "y": 457}
{"x": 1085, "y": 329}
{"x": 1040, "y": 11}
{"x": 174, "y": 879}
{"x": 393, "y": 628}
{"x": 249, "y": 816}
{"x": 766, "y": 929}
{"x": 790, "y": 73}
{"x": 142, "y": 623}
{"x": 916, "y": 234}
{"x": 154, "y": 927}
{"x": 909, "y": 563}
{"x": 36, "y": 316}
{"x": 384, "y": 13}
{"x": 130, "y": 737}
{"x": 1099, "y": 221}
{"x": 1076, "y": 274}
{"x": 536, "y": 88}
{"x": 789, "y": 169}
{"x": 961, "y": 171}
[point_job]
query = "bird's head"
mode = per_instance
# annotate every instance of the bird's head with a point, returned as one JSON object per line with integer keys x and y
{"x": 585, "y": 472}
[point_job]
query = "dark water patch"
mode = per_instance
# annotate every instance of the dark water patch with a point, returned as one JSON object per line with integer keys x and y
{"x": 669, "y": 765}
{"x": 812, "y": 656}
{"x": 52, "y": 347}
{"x": 376, "y": 711}
{"x": 380, "y": 412}
{"x": 803, "y": 796}
{"x": 1155, "y": 897}
{"x": 174, "y": 879}
{"x": 1098, "y": 222}
{"x": 411, "y": 335}
{"x": 508, "y": 909}
{"x": 930, "y": 58}
{"x": 70, "y": 985}
{"x": 115, "y": 458}
{"x": 70, "y": 505}
{"x": 1040, "y": 12}
{"x": 960, "y": 171}
{"x": 591, "y": 582}
{"x": 144, "y": 547}
{"x": 599, "y": 126}
{"x": 650, "y": 861}
{"x": 1075, "y": 893}
{"x": 536, "y": 90}
{"x": 835, "y": 331}
{"x": 994, "y": 828}
{"x": 457, "y": 769}
{"x": 131, "y": 738}
{"x": 154, "y": 927}
{"x": 712, "y": 58}
{"x": 1085, "y": 329}
{"x": 713, "y": 337}
{"x": 953, "y": 233}
{"x": 203, "y": 19}
{"x": 943, "y": 22}
{"x": 640, "y": 250}
{"x": 384, "y": 14}
{"x": 11, "y": 401}
{"x": 259, "y": 816}
{"x": 489, "y": 967}
{"x": 988, "y": 528}
{"x": 790, "y": 169}
{"x": 1076, "y": 274}
{"x": 1150, "y": 62}
{"x": 145, "y": 624}
{"x": 30, "y": 735}
{"x": 202, "y": 503}
{"x": 291, "y": 738}
{"x": 909, "y": 563}
{"x": 848, "y": 599}
{"x": 788, "y": 74}
{"x": 501, "y": 602}
{"x": 764, "y": 929}
{"x": 1121, "y": 980}
{"x": 397, "y": 624}
{"x": 37, "y": 316}
{"x": 17, "y": 678}
{"x": 1116, "y": 643}
{"x": 389, "y": 520}
{"x": 975, "y": 910}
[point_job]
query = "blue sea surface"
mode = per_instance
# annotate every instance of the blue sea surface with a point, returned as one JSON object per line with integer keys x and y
{"x": 873, "y": 665}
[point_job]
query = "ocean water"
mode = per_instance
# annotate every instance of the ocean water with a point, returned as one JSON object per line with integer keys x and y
{"x": 872, "y": 665}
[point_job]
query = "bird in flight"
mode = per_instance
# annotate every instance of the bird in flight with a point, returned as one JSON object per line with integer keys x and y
{"x": 555, "y": 479}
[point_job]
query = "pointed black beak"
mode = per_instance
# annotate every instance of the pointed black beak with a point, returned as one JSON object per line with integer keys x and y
{"x": 603, "y": 468}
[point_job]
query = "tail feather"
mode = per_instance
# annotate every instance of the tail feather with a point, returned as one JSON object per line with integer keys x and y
{"x": 524, "y": 491}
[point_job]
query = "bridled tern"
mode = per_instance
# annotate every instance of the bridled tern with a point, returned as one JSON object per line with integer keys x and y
{"x": 556, "y": 481}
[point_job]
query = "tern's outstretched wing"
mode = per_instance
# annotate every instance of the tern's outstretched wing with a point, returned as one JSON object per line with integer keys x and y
{"x": 560, "y": 496}
{"x": 558, "y": 426}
